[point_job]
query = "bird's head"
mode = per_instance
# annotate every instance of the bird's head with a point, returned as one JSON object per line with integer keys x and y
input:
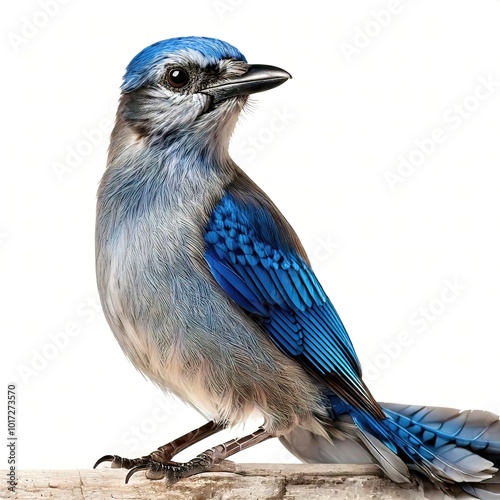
{"x": 188, "y": 85}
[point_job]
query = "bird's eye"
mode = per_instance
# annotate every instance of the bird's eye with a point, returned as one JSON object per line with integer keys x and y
{"x": 177, "y": 77}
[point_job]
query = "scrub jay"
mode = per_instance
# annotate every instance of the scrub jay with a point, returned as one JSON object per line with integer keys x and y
{"x": 211, "y": 295}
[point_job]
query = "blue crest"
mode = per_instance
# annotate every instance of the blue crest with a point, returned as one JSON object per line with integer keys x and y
{"x": 143, "y": 65}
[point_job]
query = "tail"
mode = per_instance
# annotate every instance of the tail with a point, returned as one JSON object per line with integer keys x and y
{"x": 455, "y": 450}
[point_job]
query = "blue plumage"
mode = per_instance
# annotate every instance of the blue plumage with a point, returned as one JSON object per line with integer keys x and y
{"x": 265, "y": 275}
{"x": 210, "y": 293}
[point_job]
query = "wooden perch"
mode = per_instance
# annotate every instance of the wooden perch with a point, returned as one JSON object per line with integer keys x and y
{"x": 251, "y": 481}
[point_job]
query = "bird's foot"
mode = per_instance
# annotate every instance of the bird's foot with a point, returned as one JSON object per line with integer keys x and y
{"x": 165, "y": 453}
{"x": 159, "y": 464}
{"x": 170, "y": 471}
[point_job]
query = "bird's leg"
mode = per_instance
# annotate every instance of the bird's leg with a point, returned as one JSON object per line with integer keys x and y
{"x": 164, "y": 453}
{"x": 212, "y": 460}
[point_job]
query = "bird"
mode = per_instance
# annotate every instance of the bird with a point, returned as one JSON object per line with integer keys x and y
{"x": 211, "y": 295}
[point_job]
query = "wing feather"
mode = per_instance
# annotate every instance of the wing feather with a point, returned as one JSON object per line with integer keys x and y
{"x": 253, "y": 254}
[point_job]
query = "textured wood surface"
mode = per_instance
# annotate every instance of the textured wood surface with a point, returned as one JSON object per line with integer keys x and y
{"x": 251, "y": 481}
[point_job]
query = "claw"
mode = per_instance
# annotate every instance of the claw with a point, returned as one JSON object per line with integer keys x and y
{"x": 105, "y": 458}
{"x": 135, "y": 469}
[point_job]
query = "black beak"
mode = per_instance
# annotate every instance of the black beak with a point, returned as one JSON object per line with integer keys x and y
{"x": 258, "y": 78}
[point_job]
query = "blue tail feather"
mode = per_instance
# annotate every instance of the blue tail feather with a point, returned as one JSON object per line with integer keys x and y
{"x": 476, "y": 429}
{"x": 446, "y": 445}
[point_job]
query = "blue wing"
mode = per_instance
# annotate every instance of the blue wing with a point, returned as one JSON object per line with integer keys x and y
{"x": 257, "y": 259}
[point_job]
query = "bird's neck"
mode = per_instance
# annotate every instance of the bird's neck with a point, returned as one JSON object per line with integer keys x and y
{"x": 141, "y": 175}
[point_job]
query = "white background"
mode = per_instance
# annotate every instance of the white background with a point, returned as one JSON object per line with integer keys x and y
{"x": 356, "y": 103}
